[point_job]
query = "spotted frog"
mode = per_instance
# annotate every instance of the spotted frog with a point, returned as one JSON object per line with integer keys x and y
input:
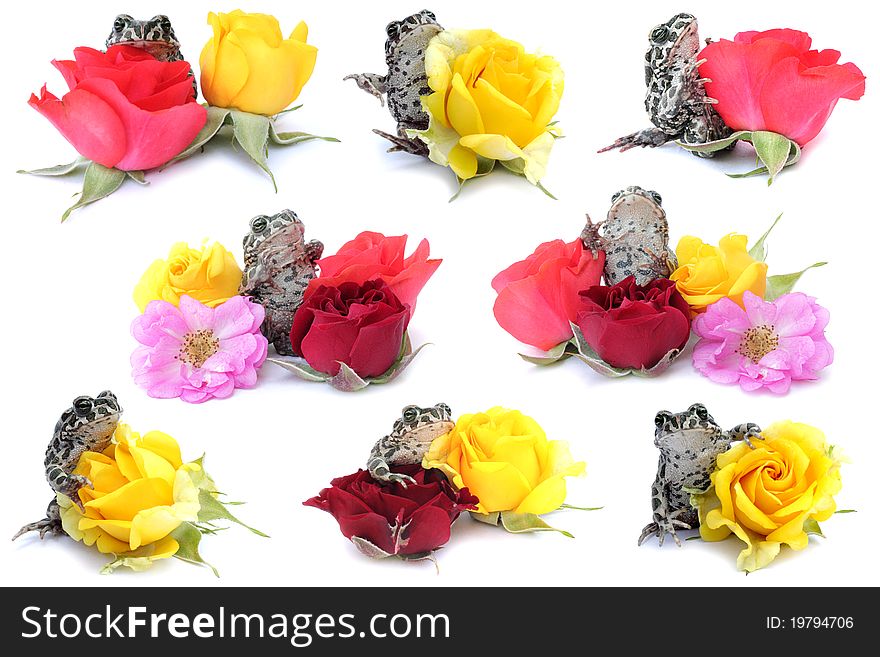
{"x": 406, "y": 81}
{"x": 689, "y": 442}
{"x": 408, "y": 441}
{"x": 278, "y": 265}
{"x": 87, "y": 426}
{"x": 676, "y": 99}
{"x": 634, "y": 237}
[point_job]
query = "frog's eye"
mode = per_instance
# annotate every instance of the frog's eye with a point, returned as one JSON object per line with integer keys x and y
{"x": 615, "y": 196}
{"x": 163, "y": 21}
{"x": 82, "y": 406}
{"x": 121, "y": 22}
{"x": 661, "y": 418}
{"x": 445, "y": 409}
{"x": 411, "y": 413}
{"x": 657, "y": 198}
{"x": 259, "y": 224}
{"x": 429, "y": 14}
{"x": 393, "y": 30}
{"x": 701, "y": 411}
{"x": 659, "y": 34}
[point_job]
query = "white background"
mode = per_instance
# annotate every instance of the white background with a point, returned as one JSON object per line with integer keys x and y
{"x": 68, "y": 306}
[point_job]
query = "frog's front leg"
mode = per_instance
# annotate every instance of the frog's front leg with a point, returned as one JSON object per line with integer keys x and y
{"x": 745, "y": 432}
{"x": 665, "y": 521}
{"x": 404, "y": 143}
{"x": 372, "y": 83}
{"x": 67, "y": 484}
{"x": 380, "y": 469}
{"x": 649, "y": 137}
{"x": 51, "y": 523}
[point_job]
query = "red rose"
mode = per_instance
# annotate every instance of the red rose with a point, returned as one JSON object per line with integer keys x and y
{"x": 634, "y": 326}
{"x": 372, "y": 255}
{"x": 361, "y": 325}
{"x": 538, "y": 297}
{"x": 125, "y": 109}
{"x": 773, "y": 81}
{"x": 413, "y": 521}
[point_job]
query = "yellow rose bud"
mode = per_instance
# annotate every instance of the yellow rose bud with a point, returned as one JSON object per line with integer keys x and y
{"x": 141, "y": 492}
{"x": 248, "y": 64}
{"x": 765, "y": 495}
{"x": 504, "y": 458}
{"x": 209, "y": 275}
{"x": 491, "y": 100}
{"x": 708, "y": 273}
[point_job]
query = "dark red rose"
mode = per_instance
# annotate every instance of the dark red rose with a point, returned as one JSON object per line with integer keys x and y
{"x": 398, "y": 521}
{"x": 634, "y": 326}
{"x": 361, "y": 325}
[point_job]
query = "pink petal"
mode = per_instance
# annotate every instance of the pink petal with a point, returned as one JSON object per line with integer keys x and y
{"x": 197, "y": 316}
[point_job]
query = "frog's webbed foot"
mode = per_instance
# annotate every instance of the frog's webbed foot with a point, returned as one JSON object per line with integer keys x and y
{"x": 380, "y": 471}
{"x": 371, "y": 83}
{"x": 659, "y": 267}
{"x": 663, "y": 527}
{"x": 51, "y": 523}
{"x": 590, "y": 236}
{"x": 402, "y": 143}
{"x": 745, "y": 432}
{"x": 650, "y": 137}
{"x": 69, "y": 485}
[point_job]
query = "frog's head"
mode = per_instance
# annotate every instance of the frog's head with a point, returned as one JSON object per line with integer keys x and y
{"x": 640, "y": 204}
{"x": 398, "y": 31}
{"x": 96, "y": 416}
{"x": 418, "y": 426}
{"x": 676, "y": 39}
{"x": 155, "y": 35}
{"x": 690, "y": 426}
{"x": 281, "y": 231}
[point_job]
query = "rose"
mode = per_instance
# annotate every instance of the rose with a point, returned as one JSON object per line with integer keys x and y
{"x": 125, "y": 109}
{"x": 708, "y": 273}
{"x": 384, "y": 520}
{"x": 773, "y": 81}
{"x": 634, "y": 326}
{"x": 209, "y": 275}
{"x": 140, "y": 492}
{"x": 371, "y": 256}
{"x": 504, "y": 458}
{"x": 538, "y": 297}
{"x": 491, "y": 100}
{"x": 361, "y": 325}
{"x": 772, "y": 494}
{"x": 248, "y": 64}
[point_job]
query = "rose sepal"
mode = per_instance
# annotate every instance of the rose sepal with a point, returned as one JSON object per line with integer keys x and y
{"x": 251, "y": 132}
{"x": 347, "y": 380}
{"x": 517, "y": 523}
{"x": 774, "y": 151}
{"x": 98, "y": 181}
{"x": 778, "y": 284}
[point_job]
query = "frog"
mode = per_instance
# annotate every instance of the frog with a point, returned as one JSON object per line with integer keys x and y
{"x": 634, "y": 237}
{"x": 87, "y": 426}
{"x": 155, "y": 36}
{"x": 278, "y": 265}
{"x": 406, "y": 81}
{"x": 409, "y": 440}
{"x": 689, "y": 443}
{"x": 676, "y": 98}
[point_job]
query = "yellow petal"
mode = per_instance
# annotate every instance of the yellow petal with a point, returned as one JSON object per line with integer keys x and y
{"x": 502, "y": 116}
{"x": 545, "y": 497}
{"x": 126, "y": 502}
{"x": 519, "y": 452}
{"x": 230, "y": 73}
{"x": 499, "y": 486}
{"x": 464, "y": 116}
{"x": 163, "y": 445}
{"x": 152, "y": 524}
{"x": 463, "y": 162}
{"x": 493, "y": 147}
{"x": 300, "y": 32}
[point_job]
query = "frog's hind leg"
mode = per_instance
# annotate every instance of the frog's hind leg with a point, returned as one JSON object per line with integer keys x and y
{"x": 401, "y": 142}
{"x": 50, "y": 524}
{"x": 371, "y": 83}
{"x": 649, "y": 137}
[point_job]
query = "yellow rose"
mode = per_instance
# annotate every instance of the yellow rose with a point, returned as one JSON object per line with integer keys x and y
{"x": 707, "y": 273}
{"x": 141, "y": 492}
{"x": 491, "y": 100}
{"x": 248, "y": 64}
{"x": 209, "y": 275}
{"x": 766, "y": 495}
{"x": 504, "y": 458}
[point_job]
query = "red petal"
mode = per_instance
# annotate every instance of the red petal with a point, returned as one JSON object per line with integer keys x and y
{"x": 428, "y": 529}
{"x": 377, "y": 345}
{"x": 798, "y": 40}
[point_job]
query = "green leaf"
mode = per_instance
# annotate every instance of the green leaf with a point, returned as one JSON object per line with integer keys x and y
{"x": 693, "y": 538}
{"x": 138, "y": 177}
{"x": 485, "y": 166}
{"x": 793, "y": 156}
{"x": 556, "y": 354}
{"x": 517, "y": 166}
{"x": 759, "y": 250}
{"x": 545, "y": 190}
{"x": 784, "y": 283}
{"x": 217, "y": 118}
{"x": 403, "y": 360}
{"x": 487, "y": 518}
{"x": 773, "y": 150}
{"x": 99, "y": 182}
{"x": 846, "y": 511}
{"x": 293, "y": 138}
{"x": 347, "y": 380}
{"x": 718, "y": 144}
{"x": 60, "y": 170}
{"x": 251, "y": 131}
{"x": 299, "y": 367}
{"x": 369, "y": 549}
{"x": 581, "y": 508}
{"x": 520, "y": 523}
{"x": 289, "y": 109}
{"x": 213, "y": 509}
{"x": 188, "y": 537}
{"x": 812, "y": 527}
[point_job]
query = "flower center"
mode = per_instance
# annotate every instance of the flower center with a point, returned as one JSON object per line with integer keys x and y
{"x": 198, "y": 347}
{"x": 758, "y": 341}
